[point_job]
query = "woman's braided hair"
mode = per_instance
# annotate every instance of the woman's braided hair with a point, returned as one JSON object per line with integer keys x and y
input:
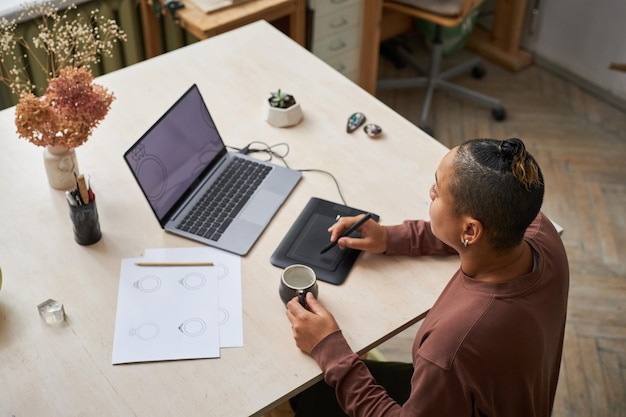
{"x": 499, "y": 183}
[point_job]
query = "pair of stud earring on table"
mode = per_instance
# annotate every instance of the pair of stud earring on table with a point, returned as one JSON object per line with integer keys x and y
{"x": 357, "y": 119}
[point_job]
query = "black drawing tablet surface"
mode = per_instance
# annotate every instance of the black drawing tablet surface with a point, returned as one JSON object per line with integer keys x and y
{"x": 309, "y": 234}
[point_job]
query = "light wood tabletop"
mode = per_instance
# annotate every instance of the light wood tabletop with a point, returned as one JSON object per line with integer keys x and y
{"x": 65, "y": 370}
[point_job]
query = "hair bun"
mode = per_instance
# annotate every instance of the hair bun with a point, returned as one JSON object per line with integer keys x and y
{"x": 510, "y": 148}
{"x": 523, "y": 166}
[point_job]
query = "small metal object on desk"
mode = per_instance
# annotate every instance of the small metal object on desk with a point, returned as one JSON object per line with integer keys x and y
{"x": 355, "y": 121}
{"x": 373, "y": 130}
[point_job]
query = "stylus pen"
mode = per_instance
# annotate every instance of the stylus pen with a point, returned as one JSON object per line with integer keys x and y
{"x": 347, "y": 232}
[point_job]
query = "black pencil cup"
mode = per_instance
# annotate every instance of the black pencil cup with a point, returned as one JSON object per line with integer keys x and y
{"x": 86, "y": 223}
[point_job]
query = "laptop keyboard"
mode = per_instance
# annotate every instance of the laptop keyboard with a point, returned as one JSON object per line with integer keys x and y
{"x": 221, "y": 203}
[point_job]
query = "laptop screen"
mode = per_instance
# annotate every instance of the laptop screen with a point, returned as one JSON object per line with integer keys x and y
{"x": 174, "y": 152}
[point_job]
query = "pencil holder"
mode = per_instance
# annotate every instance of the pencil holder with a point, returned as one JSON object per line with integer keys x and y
{"x": 85, "y": 222}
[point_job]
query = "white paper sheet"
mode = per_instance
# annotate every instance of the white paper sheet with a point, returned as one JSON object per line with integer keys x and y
{"x": 228, "y": 269}
{"x": 166, "y": 313}
{"x": 210, "y": 5}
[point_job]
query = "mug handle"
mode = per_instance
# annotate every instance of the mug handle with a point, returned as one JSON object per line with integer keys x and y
{"x": 302, "y": 298}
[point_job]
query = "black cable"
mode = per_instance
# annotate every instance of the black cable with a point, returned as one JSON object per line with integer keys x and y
{"x": 271, "y": 153}
{"x": 343, "y": 200}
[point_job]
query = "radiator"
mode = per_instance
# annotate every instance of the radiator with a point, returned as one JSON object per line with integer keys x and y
{"x": 127, "y": 15}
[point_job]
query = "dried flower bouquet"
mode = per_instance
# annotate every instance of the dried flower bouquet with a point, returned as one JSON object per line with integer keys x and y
{"x": 65, "y": 46}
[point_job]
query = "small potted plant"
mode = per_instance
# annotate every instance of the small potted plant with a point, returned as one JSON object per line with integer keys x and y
{"x": 282, "y": 110}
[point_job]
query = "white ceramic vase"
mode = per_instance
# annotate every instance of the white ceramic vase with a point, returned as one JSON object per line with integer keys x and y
{"x": 278, "y": 117}
{"x": 61, "y": 166}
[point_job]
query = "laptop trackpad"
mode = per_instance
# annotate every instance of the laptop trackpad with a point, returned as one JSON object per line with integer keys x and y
{"x": 261, "y": 207}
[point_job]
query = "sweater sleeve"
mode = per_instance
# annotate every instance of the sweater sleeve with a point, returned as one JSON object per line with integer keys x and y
{"x": 415, "y": 237}
{"x": 434, "y": 391}
{"x": 355, "y": 388}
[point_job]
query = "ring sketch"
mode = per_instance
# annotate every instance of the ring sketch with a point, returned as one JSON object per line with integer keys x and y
{"x": 224, "y": 315}
{"x": 222, "y": 271}
{"x": 148, "y": 283}
{"x": 193, "y": 281}
{"x": 149, "y": 166}
{"x": 145, "y": 331}
{"x": 192, "y": 327}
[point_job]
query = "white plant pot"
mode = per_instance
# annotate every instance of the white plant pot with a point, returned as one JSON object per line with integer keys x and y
{"x": 278, "y": 117}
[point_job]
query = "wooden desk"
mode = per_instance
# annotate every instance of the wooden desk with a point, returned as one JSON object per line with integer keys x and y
{"x": 205, "y": 25}
{"x": 502, "y": 43}
{"x": 66, "y": 370}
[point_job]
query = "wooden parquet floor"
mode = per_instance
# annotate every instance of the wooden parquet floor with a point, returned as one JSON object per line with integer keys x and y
{"x": 580, "y": 142}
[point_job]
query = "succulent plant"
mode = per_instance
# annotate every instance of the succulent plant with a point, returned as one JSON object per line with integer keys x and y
{"x": 281, "y": 100}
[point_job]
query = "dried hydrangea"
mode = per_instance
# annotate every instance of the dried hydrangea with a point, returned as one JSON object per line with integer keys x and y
{"x": 67, "y": 39}
{"x": 65, "y": 46}
{"x": 67, "y": 113}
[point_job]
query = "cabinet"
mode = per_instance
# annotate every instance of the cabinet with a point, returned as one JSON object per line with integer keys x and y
{"x": 336, "y": 34}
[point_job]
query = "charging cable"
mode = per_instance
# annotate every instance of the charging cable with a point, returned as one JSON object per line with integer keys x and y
{"x": 280, "y": 151}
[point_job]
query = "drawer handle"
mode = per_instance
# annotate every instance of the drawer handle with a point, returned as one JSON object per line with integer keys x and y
{"x": 340, "y": 68}
{"x": 337, "y": 23}
{"x": 338, "y": 1}
{"x": 337, "y": 45}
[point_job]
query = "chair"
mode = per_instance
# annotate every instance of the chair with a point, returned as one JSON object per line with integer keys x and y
{"x": 442, "y": 13}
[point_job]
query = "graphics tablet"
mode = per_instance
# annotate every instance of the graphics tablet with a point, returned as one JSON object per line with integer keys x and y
{"x": 309, "y": 234}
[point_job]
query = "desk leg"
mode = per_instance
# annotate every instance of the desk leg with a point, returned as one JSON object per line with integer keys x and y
{"x": 370, "y": 41}
{"x": 297, "y": 23}
{"x": 150, "y": 24}
{"x": 502, "y": 44}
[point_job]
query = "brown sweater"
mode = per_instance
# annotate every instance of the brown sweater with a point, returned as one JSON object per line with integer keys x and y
{"x": 484, "y": 349}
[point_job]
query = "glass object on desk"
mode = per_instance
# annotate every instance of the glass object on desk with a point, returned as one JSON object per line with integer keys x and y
{"x": 51, "y": 311}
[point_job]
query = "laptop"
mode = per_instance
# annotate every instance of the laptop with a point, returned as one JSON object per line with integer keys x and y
{"x": 185, "y": 172}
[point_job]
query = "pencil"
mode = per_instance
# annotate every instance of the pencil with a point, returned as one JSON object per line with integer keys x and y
{"x": 351, "y": 229}
{"x": 174, "y": 263}
{"x": 82, "y": 189}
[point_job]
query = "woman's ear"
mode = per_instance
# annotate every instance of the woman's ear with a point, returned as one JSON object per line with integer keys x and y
{"x": 472, "y": 231}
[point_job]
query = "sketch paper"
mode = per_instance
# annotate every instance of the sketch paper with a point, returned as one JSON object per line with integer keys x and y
{"x": 228, "y": 269}
{"x": 166, "y": 313}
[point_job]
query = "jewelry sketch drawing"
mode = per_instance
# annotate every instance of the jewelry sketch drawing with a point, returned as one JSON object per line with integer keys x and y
{"x": 145, "y": 331}
{"x": 192, "y": 327}
{"x": 149, "y": 283}
{"x": 193, "y": 281}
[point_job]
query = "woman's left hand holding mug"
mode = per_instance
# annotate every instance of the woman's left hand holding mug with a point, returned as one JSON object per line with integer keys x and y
{"x": 310, "y": 326}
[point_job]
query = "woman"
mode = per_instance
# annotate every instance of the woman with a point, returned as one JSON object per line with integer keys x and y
{"x": 492, "y": 343}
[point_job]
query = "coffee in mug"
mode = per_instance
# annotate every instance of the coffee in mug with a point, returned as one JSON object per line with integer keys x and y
{"x": 295, "y": 281}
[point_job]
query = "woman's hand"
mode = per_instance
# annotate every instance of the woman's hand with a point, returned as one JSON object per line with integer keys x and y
{"x": 373, "y": 236}
{"x": 310, "y": 326}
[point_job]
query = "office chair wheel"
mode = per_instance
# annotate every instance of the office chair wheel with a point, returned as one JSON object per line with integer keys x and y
{"x": 478, "y": 72}
{"x": 498, "y": 114}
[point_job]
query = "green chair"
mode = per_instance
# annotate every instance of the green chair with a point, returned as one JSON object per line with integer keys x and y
{"x": 442, "y": 14}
